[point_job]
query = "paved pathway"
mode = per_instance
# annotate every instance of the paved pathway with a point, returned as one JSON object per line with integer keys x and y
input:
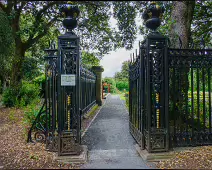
{"x": 108, "y": 139}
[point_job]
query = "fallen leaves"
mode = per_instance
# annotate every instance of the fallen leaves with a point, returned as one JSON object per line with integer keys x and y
{"x": 196, "y": 158}
{"x": 16, "y": 153}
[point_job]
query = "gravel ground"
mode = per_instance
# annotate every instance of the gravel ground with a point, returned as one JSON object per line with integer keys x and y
{"x": 196, "y": 158}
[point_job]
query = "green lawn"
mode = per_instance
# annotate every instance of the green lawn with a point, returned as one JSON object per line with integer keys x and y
{"x": 122, "y": 97}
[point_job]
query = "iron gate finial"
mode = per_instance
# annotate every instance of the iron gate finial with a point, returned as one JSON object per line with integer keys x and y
{"x": 152, "y": 15}
{"x": 71, "y": 13}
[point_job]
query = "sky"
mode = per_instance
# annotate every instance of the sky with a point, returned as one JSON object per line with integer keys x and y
{"x": 112, "y": 62}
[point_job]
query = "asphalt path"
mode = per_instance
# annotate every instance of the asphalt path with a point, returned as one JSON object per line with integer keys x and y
{"x": 109, "y": 141}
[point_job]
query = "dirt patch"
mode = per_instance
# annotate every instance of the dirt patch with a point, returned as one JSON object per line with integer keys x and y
{"x": 197, "y": 158}
{"x": 16, "y": 153}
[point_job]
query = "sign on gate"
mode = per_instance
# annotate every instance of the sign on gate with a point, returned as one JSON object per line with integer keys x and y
{"x": 68, "y": 79}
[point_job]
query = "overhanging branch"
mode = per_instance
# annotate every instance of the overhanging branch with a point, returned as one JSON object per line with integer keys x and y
{"x": 32, "y": 40}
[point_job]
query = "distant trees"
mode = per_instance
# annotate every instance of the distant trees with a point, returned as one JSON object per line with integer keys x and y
{"x": 122, "y": 77}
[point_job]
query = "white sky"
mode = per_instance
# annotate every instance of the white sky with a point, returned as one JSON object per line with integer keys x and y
{"x": 112, "y": 62}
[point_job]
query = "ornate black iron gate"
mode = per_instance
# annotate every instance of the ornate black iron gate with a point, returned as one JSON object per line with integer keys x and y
{"x": 70, "y": 92}
{"x": 170, "y": 92}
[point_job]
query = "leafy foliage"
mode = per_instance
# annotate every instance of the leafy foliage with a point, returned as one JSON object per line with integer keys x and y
{"x": 6, "y": 38}
{"x": 28, "y": 93}
{"x": 111, "y": 81}
{"x": 6, "y": 48}
{"x": 123, "y": 75}
{"x": 122, "y": 85}
{"x": 30, "y": 68}
{"x": 89, "y": 59}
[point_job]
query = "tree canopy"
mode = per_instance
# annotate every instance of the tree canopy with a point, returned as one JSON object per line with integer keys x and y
{"x": 123, "y": 75}
{"x": 35, "y": 23}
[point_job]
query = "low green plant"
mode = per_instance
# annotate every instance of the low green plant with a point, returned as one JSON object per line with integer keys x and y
{"x": 40, "y": 81}
{"x": 9, "y": 97}
{"x": 12, "y": 117}
{"x": 28, "y": 93}
{"x": 127, "y": 100}
{"x": 30, "y": 113}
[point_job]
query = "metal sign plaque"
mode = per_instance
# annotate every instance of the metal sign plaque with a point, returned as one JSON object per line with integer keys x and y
{"x": 68, "y": 79}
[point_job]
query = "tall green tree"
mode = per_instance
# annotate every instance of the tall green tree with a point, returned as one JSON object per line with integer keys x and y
{"x": 89, "y": 60}
{"x": 94, "y": 27}
{"x": 31, "y": 21}
{"x": 123, "y": 75}
{"x": 6, "y": 49}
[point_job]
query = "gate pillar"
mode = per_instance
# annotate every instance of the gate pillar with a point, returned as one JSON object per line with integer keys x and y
{"x": 68, "y": 85}
{"x": 156, "y": 83}
{"x": 99, "y": 87}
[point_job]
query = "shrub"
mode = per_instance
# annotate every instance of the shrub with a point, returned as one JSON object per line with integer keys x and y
{"x": 127, "y": 99}
{"x": 30, "y": 113}
{"x": 121, "y": 85}
{"x": 40, "y": 81}
{"x": 27, "y": 94}
{"x": 112, "y": 83}
{"x": 9, "y": 97}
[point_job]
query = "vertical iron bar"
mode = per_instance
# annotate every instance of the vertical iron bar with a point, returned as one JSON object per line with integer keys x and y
{"x": 203, "y": 84}
{"x": 186, "y": 111}
{"x": 50, "y": 98}
{"x": 192, "y": 102}
{"x": 209, "y": 91}
{"x": 166, "y": 89}
{"x": 46, "y": 99}
{"x": 149, "y": 103}
{"x": 198, "y": 109}
{"x": 174, "y": 103}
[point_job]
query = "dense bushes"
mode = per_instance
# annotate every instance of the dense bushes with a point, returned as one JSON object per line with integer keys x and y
{"x": 27, "y": 94}
{"x": 121, "y": 85}
{"x": 112, "y": 83}
{"x": 40, "y": 81}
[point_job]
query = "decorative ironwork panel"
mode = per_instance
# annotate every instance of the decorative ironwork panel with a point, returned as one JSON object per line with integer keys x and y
{"x": 69, "y": 145}
{"x": 190, "y": 97}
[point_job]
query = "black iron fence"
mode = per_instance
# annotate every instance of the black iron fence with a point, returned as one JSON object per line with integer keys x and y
{"x": 190, "y": 96}
{"x": 170, "y": 95}
{"x": 46, "y": 124}
{"x": 88, "y": 89}
{"x": 170, "y": 91}
{"x": 70, "y": 93}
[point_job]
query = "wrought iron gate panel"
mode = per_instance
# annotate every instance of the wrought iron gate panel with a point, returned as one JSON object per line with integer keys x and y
{"x": 174, "y": 97}
{"x": 134, "y": 91}
{"x": 190, "y": 121}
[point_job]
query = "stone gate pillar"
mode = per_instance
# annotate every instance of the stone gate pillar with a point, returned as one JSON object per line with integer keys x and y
{"x": 98, "y": 71}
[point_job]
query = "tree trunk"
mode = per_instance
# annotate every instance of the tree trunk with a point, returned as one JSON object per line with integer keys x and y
{"x": 19, "y": 55}
{"x": 182, "y": 14}
{"x": 17, "y": 63}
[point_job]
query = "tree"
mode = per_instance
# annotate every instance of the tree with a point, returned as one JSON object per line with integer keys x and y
{"x": 94, "y": 27}
{"x": 6, "y": 50}
{"x": 112, "y": 82}
{"x": 89, "y": 60}
{"x": 30, "y": 21}
{"x": 123, "y": 75}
